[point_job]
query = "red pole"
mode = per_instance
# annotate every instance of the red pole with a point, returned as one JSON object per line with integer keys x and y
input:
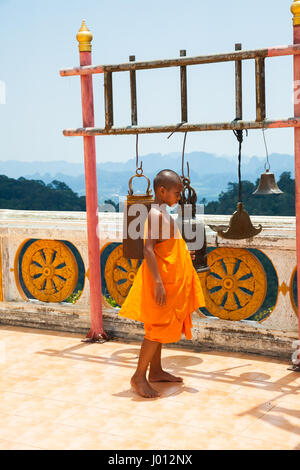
{"x": 84, "y": 37}
{"x": 295, "y": 8}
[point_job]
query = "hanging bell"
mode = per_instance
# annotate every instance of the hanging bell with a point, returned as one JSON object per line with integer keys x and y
{"x": 136, "y": 210}
{"x": 189, "y": 225}
{"x": 240, "y": 226}
{"x": 267, "y": 185}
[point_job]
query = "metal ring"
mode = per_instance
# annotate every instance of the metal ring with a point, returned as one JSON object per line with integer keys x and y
{"x": 185, "y": 180}
{"x": 130, "y": 192}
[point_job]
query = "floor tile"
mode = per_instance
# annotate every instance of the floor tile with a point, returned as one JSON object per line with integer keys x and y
{"x": 282, "y": 423}
{"x": 13, "y": 427}
{"x": 8, "y": 445}
{"x": 57, "y": 392}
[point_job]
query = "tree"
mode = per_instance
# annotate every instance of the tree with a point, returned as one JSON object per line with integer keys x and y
{"x": 274, "y": 204}
{"x": 26, "y": 194}
{"x": 112, "y": 203}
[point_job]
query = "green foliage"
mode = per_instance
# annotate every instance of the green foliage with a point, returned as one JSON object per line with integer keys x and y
{"x": 275, "y": 204}
{"x": 112, "y": 203}
{"x": 26, "y": 194}
{"x": 73, "y": 297}
{"x": 258, "y": 316}
{"x": 111, "y": 301}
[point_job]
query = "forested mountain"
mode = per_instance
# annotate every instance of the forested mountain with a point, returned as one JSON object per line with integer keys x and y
{"x": 209, "y": 173}
{"x": 275, "y": 204}
{"x": 26, "y": 194}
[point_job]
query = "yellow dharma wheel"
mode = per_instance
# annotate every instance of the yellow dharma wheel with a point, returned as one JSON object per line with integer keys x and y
{"x": 236, "y": 286}
{"x": 119, "y": 274}
{"x": 49, "y": 270}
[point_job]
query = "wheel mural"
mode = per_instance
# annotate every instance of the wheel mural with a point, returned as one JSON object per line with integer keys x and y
{"x": 49, "y": 270}
{"x": 119, "y": 273}
{"x": 236, "y": 286}
{"x": 293, "y": 291}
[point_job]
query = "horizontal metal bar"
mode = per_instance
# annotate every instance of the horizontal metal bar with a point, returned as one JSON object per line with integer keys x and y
{"x": 220, "y": 126}
{"x": 204, "y": 59}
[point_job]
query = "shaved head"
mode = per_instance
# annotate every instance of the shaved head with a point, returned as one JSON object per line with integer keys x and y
{"x": 166, "y": 178}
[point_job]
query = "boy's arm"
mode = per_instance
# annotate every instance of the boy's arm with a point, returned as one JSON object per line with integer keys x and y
{"x": 153, "y": 236}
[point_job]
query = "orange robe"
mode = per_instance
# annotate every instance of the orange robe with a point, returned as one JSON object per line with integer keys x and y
{"x": 184, "y": 294}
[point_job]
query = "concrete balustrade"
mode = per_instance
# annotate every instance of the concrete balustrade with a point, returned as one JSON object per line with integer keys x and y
{"x": 273, "y": 335}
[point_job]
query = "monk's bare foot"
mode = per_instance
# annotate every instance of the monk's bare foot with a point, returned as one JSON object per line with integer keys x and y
{"x": 143, "y": 388}
{"x": 163, "y": 376}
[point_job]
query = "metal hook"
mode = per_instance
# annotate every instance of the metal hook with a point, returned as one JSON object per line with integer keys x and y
{"x": 182, "y": 158}
{"x": 239, "y": 135}
{"x": 267, "y": 154}
{"x": 137, "y": 151}
{"x": 177, "y": 127}
{"x": 138, "y": 168}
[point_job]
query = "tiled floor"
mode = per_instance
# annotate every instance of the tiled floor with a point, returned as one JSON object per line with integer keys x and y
{"x": 57, "y": 392}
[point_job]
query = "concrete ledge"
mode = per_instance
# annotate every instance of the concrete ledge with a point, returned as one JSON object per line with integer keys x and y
{"x": 50, "y": 316}
{"x": 216, "y": 334}
{"x": 242, "y": 336}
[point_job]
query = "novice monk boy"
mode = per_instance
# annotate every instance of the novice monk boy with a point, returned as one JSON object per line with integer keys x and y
{"x": 166, "y": 289}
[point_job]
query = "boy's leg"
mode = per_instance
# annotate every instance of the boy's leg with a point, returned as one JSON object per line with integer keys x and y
{"x": 156, "y": 373}
{"x": 139, "y": 381}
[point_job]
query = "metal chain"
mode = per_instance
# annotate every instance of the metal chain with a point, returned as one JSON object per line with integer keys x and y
{"x": 239, "y": 136}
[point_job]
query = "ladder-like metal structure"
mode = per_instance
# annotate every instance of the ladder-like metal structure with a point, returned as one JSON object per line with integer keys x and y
{"x": 238, "y": 56}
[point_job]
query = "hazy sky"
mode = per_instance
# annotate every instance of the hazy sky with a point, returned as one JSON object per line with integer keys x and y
{"x": 38, "y": 38}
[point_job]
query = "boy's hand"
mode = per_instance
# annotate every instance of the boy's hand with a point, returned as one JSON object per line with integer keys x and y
{"x": 193, "y": 254}
{"x": 160, "y": 293}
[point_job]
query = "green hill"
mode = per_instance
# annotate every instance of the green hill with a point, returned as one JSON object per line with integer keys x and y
{"x": 275, "y": 204}
{"x": 26, "y": 194}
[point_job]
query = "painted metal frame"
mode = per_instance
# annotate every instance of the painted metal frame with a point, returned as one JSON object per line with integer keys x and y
{"x": 89, "y": 131}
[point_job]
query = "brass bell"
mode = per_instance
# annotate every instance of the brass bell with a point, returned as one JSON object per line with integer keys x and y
{"x": 136, "y": 209}
{"x": 190, "y": 227}
{"x": 267, "y": 185}
{"x": 240, "y": 226}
